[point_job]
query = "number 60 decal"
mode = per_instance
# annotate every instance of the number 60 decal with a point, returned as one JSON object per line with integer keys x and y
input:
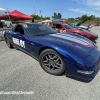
{"x": 22, "y": 43}
{"x": 19, "y": 42}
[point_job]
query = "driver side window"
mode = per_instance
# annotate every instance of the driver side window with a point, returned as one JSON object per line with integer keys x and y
{"x": 19, "y": 29}
{"x": 59, "y": 26}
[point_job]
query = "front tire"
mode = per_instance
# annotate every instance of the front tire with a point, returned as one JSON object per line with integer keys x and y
{"x": 52, "y": 62}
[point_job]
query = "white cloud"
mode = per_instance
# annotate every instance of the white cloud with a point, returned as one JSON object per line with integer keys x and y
{"x": 97, "y": 8}
{"x": 79, "y": 10}
{"x": 90, "y": 3}
{"x": 85, "y": 12}
{"x": 76, "y": 10}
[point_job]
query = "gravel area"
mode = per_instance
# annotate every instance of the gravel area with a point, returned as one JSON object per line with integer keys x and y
{"x": 20, "y": 72}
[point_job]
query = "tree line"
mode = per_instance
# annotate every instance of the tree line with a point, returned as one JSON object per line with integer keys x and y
{"x": 37, "y": 17}
{"x": 92, "y": 17}
{"x": 55, "y": 16}
{"x": 59, "y": 16}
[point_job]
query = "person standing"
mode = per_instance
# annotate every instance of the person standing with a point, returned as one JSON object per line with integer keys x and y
{"x": 1, "y": 25}
{"x": 32, "y": 20}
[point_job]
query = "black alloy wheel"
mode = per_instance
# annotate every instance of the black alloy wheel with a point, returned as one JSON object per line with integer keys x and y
{"x": 52, "y": 62}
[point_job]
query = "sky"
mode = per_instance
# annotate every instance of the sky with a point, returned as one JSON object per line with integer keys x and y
{"x": 67, "y": 8}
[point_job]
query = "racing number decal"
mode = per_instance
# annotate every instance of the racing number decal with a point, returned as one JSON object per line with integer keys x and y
{"x": 22, "y": 43}
{"x": 19, "y": 42}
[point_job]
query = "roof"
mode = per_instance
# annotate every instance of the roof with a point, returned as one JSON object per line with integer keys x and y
{"x": 57, "y": 20}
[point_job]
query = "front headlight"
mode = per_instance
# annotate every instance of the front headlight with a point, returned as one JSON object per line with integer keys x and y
{"x": 85, "y": 72}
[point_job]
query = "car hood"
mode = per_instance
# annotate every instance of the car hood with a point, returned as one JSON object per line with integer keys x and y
{"x": 90, "y": 32}
{"x": 87, "y": 31}
{"x": 77, "y": 45}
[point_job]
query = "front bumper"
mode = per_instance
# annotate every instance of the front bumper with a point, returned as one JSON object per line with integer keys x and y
{"x": 88, "y": 76}
{"x": 90, "y": 63}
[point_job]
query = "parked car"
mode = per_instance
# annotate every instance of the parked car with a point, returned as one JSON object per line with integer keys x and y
{"x": 88, "y": 25}
{"x": 64, "y": 27}
{"x": 57, "y": 53}
{"x": 97, "y": 25}
{"x": 81, "y": 27}
{"x": 78, "y": 27}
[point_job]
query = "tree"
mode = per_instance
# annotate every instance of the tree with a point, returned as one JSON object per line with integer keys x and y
{"x": 59, "y": 15}
{"x": 71, "y": 18}
{"x": 92, "y": 17}
{"x": 45, "y": 18}
{"x": 54, "y": 15}
{"x": 48, "y": 18}
{"x": 41, "y": 17}
{"x": 98, "y": 18}
{"x": 35, "y": 16}
{"x": 84, "y": 17}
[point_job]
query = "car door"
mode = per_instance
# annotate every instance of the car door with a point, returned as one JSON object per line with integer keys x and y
{"x": 22, "y": 41}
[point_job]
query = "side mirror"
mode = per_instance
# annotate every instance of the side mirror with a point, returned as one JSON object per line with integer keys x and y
{"x": 17, "y": 33}
{"x": 56, "y": 29}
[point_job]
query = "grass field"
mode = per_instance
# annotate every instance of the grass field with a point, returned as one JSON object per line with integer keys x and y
{"x": 34, "y": 20}
{"x": 87, "y": 22}
{"x": 71, "y": 21}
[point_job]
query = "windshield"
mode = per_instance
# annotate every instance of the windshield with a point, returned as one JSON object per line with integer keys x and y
{"x": 38, "y": 29}
{"x": 67, "y": 26}
{"x": 71, "y": 24}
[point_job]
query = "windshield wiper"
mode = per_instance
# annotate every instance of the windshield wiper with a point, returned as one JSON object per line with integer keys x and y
{"x": 40, "y": 34}
{"x": 45, "y": 34}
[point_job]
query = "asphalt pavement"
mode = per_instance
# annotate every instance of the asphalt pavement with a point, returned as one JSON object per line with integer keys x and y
{"x": 21, "y": 72}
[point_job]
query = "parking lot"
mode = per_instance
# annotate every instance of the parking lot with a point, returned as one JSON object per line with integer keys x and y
{"x": 20, "y": 72}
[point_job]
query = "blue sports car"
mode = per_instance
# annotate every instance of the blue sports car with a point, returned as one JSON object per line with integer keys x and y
{"x": 57, "y": 53}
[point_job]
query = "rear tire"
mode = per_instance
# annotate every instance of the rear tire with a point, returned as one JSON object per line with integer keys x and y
{"x": 8, "y": 42}
{"x": 51, "y": 62}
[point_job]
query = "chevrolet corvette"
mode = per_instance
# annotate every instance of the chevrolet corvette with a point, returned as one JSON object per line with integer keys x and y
{"x": 57, "y": 53}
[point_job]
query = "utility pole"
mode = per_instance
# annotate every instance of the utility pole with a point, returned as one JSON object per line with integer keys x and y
{"x": 34, "y": 11}
{"x": 9, "y": 16}
{"x": 40, "y": 11}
